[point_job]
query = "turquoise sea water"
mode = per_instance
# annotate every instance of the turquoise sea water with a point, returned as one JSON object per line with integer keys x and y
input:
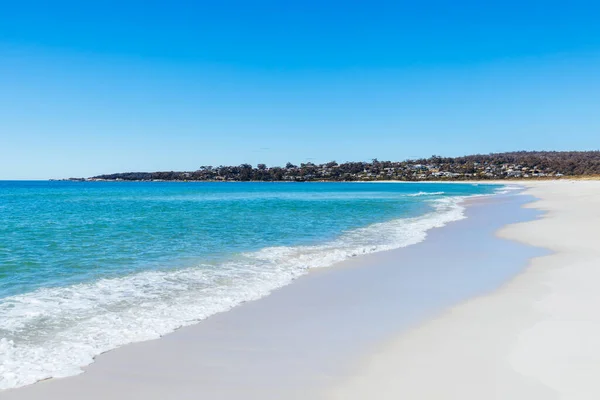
{"x": 87, "y": 267}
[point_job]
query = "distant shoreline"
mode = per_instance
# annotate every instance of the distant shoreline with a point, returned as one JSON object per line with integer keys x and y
{"x": 495, "y": 166}
{"x": 472, "y": 181}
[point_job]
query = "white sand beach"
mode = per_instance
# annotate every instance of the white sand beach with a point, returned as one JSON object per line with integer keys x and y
{"x": 536, "y": 338}
{"x": 457, "y": 316}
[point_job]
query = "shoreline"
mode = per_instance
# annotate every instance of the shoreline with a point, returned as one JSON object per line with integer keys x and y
{"x": 533, "y": 338}
{"x": 465, "y": 181}
{"x": 132, "y": 360}
{"x": 29, "y": 367}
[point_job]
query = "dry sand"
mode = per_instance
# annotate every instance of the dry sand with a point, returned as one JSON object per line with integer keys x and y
{"x": 538, "y": 337}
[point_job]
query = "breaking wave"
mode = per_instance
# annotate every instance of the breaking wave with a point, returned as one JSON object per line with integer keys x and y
{"x": 419, "y": 194}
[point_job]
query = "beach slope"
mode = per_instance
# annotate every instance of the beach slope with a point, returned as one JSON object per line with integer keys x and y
{"x": 535, "y": 338}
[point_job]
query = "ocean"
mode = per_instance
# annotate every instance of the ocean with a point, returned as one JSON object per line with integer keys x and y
{"x": 86, "y": 267}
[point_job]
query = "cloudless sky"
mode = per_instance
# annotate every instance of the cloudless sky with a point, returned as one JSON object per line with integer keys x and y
{"x": 99, "y": 87}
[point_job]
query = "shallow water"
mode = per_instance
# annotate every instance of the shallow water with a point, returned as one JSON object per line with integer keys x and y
{"x": 87, "y": 267}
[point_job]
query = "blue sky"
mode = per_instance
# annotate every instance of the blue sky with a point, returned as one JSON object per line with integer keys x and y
{"x": 115, "y": 86}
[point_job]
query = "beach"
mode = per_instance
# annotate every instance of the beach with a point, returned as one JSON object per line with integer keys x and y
{"x": 535, "y": 338}
{"x": 498, "y": 305}
{"x": 299, "y": 200}
{"x": 94, "y": 266}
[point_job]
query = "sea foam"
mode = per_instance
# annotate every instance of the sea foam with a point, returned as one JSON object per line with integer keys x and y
{"x": 56, "y": 331}
{"x": 419, "y": 194}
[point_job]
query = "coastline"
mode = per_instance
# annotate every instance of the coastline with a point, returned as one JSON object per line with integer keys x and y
{"x": 147, "y": 305}
{"x": 235, "y": 352}
{"x": 534, "y": 338}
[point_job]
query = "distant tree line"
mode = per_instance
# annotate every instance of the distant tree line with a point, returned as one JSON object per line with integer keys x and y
{"x": 520, "y": 164}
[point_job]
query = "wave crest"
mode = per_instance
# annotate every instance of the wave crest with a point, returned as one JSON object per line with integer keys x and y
{"x": 419, "y": 194}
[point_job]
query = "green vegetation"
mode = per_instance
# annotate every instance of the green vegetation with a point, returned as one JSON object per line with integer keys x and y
{"x": 513, "y": 165}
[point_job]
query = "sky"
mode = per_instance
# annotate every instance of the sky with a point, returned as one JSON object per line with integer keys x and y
{"x": 88, "y": 88}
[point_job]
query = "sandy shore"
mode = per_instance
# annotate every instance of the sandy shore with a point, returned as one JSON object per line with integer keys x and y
{"x": 312, "y": 335}
{"x": 538, "y": 337}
